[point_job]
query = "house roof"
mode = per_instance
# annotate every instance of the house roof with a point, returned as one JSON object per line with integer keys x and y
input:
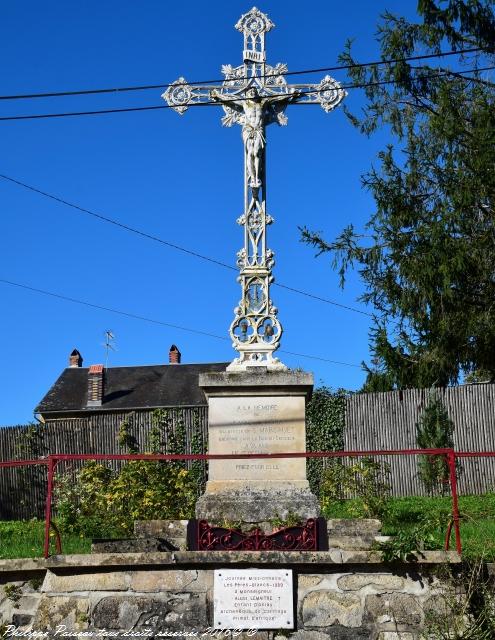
{"x": 144, "y": 387}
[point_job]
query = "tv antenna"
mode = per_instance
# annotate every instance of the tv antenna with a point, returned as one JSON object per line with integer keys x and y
{"x": 109, "y": 345}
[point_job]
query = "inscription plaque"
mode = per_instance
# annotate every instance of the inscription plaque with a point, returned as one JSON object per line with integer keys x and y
{"x": 251, "y": 425}
{"x": 253, "y": 599}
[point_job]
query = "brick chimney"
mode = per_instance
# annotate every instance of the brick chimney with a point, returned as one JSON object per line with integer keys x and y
{"x": 174, "y": 355}
{"x": 95, "y": 385}
{"x": 75, "y": 359}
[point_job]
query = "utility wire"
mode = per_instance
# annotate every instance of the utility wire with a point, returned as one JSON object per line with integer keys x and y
{"x": 154, "y": 321}
{"x": 444, "y": 73}
{"x": 103, "y": 218}
{"x": 57, "y": 94}
{"x": 170, "y": 244}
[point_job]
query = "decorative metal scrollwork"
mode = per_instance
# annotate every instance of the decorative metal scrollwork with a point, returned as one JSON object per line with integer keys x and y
{"x": 179, "y": 95}
{"x": 253, "y": 23}
{"x": 330, "y": 93}
{"x": 299, "y": 538}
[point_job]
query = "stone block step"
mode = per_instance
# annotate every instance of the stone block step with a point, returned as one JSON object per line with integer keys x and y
{"x": 132, "y": 545}
{"x": 355, "y": 543}
{"x": 161, "y": 529}
{"x": 353, "y": 527}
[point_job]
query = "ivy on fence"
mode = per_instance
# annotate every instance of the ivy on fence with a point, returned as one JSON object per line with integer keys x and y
{"x": 325, "y": 423}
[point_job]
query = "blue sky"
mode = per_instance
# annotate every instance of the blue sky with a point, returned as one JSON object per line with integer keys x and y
{"x": 179, "y": 178}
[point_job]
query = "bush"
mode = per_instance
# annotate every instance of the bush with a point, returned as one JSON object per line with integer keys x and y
{"x": 102, "y": 502}
{"x": 365, "y": 480}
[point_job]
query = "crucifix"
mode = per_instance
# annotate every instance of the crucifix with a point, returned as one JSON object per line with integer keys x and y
{"x": 255, "y": 95}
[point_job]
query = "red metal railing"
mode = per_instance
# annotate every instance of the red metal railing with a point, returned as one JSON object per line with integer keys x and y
{"x": 51, "y": 462}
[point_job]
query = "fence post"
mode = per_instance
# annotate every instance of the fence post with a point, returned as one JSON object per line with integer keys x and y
{"x": 48, "y": 507}
{"x": 455, "y": 499}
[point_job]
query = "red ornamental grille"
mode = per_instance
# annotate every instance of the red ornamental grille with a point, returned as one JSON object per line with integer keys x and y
{"x": 298, "y": 538}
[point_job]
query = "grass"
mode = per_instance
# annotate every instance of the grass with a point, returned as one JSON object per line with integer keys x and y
{"x": 431, "y": 516}
{"x": 24, "y": 539}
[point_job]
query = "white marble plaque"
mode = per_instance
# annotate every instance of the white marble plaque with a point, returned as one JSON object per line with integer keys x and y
{"x": 253, "y": 599}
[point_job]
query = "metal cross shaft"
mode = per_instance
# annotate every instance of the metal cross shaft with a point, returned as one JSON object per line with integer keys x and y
{"x": 255, "y": 95}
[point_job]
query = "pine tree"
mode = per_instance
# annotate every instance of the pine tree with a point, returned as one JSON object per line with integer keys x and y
{"x": 427, "y": 257}
{"x": 434, "y": 430}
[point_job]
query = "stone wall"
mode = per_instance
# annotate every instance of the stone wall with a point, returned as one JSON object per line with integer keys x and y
{"x": 147, "y": 595}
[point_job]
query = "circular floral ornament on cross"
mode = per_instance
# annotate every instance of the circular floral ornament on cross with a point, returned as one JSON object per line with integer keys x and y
{"x": 330, "y": 93}
{"x": 255, "y": 25}
{"x": 254, "y": 22}
{"x": 178, "y": 95}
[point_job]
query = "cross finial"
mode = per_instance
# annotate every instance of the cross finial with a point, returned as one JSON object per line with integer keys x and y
{"x": 254, "y": 22}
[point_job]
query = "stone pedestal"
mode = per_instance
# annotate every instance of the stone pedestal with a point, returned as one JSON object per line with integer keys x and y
{"x": 249, "y": 413}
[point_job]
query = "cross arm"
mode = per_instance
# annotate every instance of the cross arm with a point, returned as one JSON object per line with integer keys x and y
{"x": 328, "y": 93}
{"x": 180, "y": 95}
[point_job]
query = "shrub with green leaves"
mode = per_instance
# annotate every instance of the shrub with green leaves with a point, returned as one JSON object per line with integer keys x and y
{"x": 101, "y": 501}
{"x": 365, "y": 480}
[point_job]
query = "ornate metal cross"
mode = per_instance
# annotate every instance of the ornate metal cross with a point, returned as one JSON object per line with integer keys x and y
{"x": 255, "y": 95}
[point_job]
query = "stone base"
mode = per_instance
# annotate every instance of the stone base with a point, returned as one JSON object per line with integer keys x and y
{"x": 338, "y": 595}
{"x": 249, "y": 505}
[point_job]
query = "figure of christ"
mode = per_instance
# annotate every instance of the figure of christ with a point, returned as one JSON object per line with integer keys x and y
{"x": 256, "y": 116}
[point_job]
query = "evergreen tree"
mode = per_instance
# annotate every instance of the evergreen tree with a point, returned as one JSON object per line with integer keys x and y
{"x": 434, "y": 430}
{"x": 427, "y": 258}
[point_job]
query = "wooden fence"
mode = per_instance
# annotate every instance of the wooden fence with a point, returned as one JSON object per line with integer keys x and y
{"x": 388, "y": 421}
{"x": 374, "y": 421}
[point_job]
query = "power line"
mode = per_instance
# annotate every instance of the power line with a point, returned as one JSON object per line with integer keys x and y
{"x": 41, "y": 116}
{"x": 303, "y": 355}
{"x": 116, "y": 223}
{"x": 102, "y": 308}
{"x": 57, "y": 94}
{"x": 154, "y": 321}
{"x": 85, "y": 113}
{"x": 149, "y": 236}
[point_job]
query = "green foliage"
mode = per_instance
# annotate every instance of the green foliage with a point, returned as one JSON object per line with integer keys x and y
{"x": 30, "y": 443}
{"x": 465, "y": 610}
{"x": 414, "y": 524}
{"x": 24, "y": 539}
{"x": 125, "y": 438}
{"x": 325, "y": 422}
{"x": 407, "y": 544}
{"x": 365, "y": 480}
{"x": 291, "y": 520}
{"x": 237, "y": 525}
{"x": 478, "y": 376}
{"x": 434, "y": 430}
{"x": 29, "y": 446}
{"x": 35, "y": 583}
{"x": 198, "y": 468}
{"x": 13, "y": 593}
{"x": 430, "y": 516}
{"x": 426, "y": 256}
{"x": 102, "y": 502}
